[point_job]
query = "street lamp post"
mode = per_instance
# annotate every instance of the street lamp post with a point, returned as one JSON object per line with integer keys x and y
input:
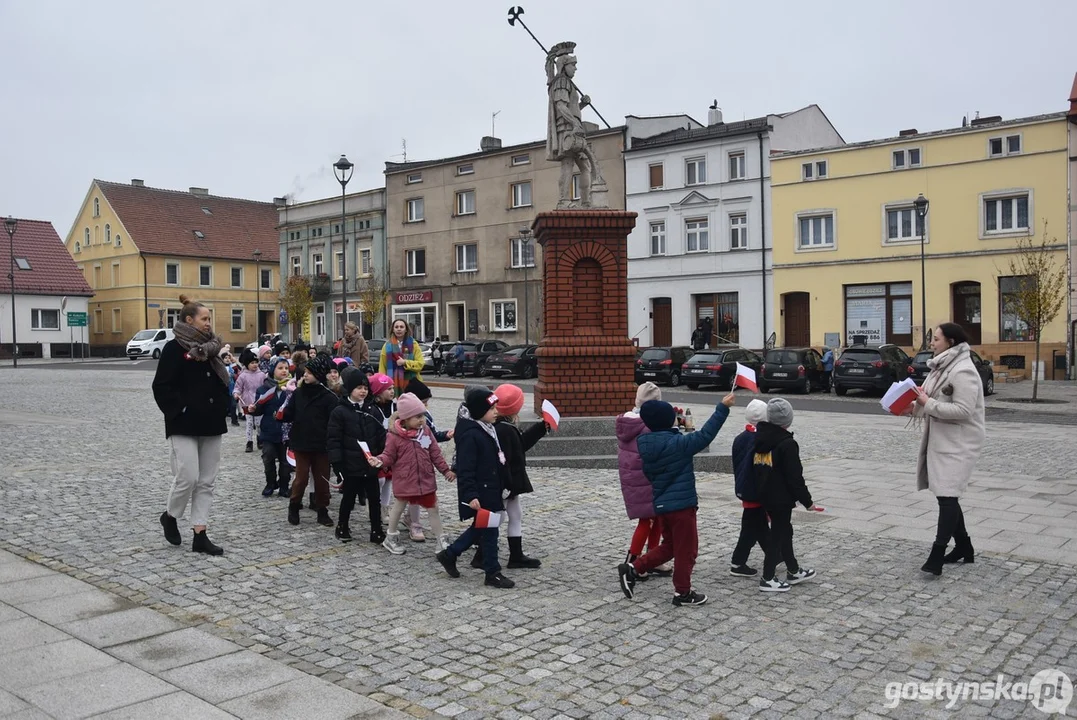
{"x": 921, "y": 217}
{"x": 10, "y": 224}
{"x": 525, "y": 243}
{"x": 343, "y": 170}
{"x": 258, "y": 294}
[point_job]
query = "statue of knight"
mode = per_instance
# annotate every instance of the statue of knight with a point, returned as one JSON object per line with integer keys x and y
{"x": 566, "y": 137}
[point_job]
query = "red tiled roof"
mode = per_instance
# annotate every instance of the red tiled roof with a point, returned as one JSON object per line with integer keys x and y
{"x": 163, "y": 222}
{"x": 52, "y": 270}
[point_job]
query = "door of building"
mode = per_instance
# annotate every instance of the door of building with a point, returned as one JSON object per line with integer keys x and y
{"x": 966, "y": 302}
{"x": 797, "y": 316}
{"x": 661, "y": 322}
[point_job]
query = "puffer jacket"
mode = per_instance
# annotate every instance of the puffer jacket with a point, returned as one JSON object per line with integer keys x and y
{"x": 267, "y": 405}
{"x": 779, "y": 476}
{"x": 743, "y": 455}
{"x": 348, "y": 424}
{"x": 635, "y": 487}
{"x": 412, "y": 456}
{"x": 515, "y": 444}
{"x": 667, "y": 462}
{"x": 480, "y": 475}
{"x": 247, "y": 385}
{"x": 309, "y": 412}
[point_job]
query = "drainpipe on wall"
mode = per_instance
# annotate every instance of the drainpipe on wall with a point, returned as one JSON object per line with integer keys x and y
{"x": 145, "y": 293}
{"x": 763, "y": 237}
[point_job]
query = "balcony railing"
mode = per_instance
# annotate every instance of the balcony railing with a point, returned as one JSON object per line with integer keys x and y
{"x": 320, "y": 286}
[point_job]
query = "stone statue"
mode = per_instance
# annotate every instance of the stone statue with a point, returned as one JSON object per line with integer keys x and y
{"x": 566, "y": 138}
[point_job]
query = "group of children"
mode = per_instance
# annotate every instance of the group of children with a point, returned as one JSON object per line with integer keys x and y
{"x": 659, "y": 487}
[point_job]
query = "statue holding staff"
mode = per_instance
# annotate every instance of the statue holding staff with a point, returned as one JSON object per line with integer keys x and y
{"x": 566, "y": 137}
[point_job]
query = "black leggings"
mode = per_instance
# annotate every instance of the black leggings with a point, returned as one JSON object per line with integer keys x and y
{"x": 779, "y": 545}
{"x": 951, "y": 521}
{"x": 369, "y": 494}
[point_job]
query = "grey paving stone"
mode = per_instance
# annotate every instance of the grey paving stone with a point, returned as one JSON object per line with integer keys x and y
{"x": 174, "y": 706}
{"x": 18, "y": 569}
{"x": 26, "y": 633}
{"x": 56, "y": 661}
{"x": 230, "y": 676}
{"x": 121, "y": 627}
{"x": 84, "y": 605}
{"x": 34, "y": 590}
{"x": 7, "y": 612}
{"x": 10, "y": 704}
{"x": 96, "y": 691}
{"x": 171, "y": 650}
{"x": 308, "y": 697}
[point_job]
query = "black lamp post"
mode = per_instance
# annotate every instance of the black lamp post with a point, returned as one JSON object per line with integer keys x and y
{"x": 10, "y": 224}
{"x": 921, "y": 217}
{"x": 343, "y": 170}
{"x": 258, "y": 294}
{"x": 525, "y": 243}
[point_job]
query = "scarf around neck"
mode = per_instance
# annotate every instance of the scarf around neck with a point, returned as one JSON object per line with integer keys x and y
{"x": 398, "y": 373}
{"x": 941, "y": 365}
{"x": 201, "y": 347}
{"x": 347, "y": 347}
{"x": 487, "y": 428}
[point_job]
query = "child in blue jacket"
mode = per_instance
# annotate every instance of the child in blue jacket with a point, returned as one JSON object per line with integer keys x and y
{"x": 753, "y": 519}
{"x": 667, "y": 462}
{"x": 271, "y": 396}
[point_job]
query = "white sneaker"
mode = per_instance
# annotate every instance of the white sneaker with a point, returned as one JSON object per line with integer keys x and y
{"x": 799, "y": 576}
{"x": 773, "y": 585}
{"x": 392, "y": 544}
{"x": 443, "y": 543}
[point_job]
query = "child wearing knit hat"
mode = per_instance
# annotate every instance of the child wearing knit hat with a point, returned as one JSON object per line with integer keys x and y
{"x": 308, "y": 410}
{"x": 753, "y": 519}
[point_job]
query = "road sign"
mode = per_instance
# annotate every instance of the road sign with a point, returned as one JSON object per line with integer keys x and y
{"x": 76, "y": 319}
{"x": 154, "y": 305}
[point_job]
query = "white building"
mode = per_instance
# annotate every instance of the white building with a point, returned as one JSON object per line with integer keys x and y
{"x": 701, "y": 245}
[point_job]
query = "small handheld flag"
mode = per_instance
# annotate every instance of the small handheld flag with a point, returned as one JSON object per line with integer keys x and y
{"x": 485, "y": 519}
{"x": 550, "y": 414}
{"x": 745, "y": 378}
{"x": 366, "y": 450}
{"x": 266, "y": 397}
{"x": 899, "y": 397}
{"x": 291, "y": 457}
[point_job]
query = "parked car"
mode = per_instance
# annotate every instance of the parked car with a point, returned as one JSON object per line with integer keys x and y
{"x": 918, "y": 369}
{"x": 148, "y": 343}
{"x": 717, "y": 366}
{"x": 662, "y": 364}
{"x": 794, "y": 368}
{"x": 870, "y": 367}
{"x": 519, "y": 360}
{"x": 476, "y": 355}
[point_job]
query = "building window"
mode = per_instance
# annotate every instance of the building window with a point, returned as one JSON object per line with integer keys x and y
{"x": 723, "y": 310}
{"x": 695, "y": 171}
{"x": 521, "y": 159}
{"x": 658, "y": 238}
{"x": 902, "y": 225}
{"x": 118, "y": 243}
{"x": 416, "y": 262}
{"x": 205, "y": 275}
{"x": 1006, "y": 214}
{"x": 465, "y": 202}
{"x": 172, "y": 317}
{"x": 78, "y": 247}
{"x": 698, "y": 236}
{"x": 415, "y": 210}
{"x": 814, "y": 170}
{"x": 97, "y": 322}
{"x": 503, "y": 314}
{"x": 738, "y": 231}
{"x": 1002, "y": 146}
{"x": 339, "y": 258}
{"x": 86, "y": 237}
{"x": 117, "y": 320}
{"x": 44, "y": 319}
{"x": 96, "y": 207}
{"x": 656, "y": 173}
{"x": 821, "y": 170}
{"x": 807, "y": 171}
{"x": 876, "y": 314}
{"x": 816, "y": 231}
{"x": 414, "y": 178}
{"x": 237, "y": 277}
{"x": 907, "y": 158}
{"x": 521, "y": 194}
{"x": 364, "y": 262}
{"x": 297, "y": 265}
{"x": 267, "y": 279}
{"x": 315, "y": 232}
{"x": 237, "y": 321}
{"x": 523, "y": 254}
{"x": 1011, "y": 327}
{"x": 108, "y": 234}
{"x": 172, "y": 274}
{"x": 736, "y": 166}
{"x": 467, "y": 258}
{"x": 576, "y": 186}
{"x": 97, "y": 277}
{"x": 467, "y": 169}
{"x": 319, "y": 265}
{"x": 115, "y": 274}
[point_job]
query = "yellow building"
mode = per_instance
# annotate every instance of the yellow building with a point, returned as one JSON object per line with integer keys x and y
{"x": 140, "y": 248}
{"x": 847, "y": 247}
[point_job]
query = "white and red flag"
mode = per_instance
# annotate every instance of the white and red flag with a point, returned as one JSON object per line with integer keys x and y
{"x": 899, "y": 397}
{"x": 745, "y": 378}
{"x": 550, "y": 414}
{"x": 266, "y": 396}
{"x": 484, "y": 518}
{"x": 291, "y": 457}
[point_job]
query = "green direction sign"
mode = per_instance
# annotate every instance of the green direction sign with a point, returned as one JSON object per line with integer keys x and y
{"x": 76, "y": 319}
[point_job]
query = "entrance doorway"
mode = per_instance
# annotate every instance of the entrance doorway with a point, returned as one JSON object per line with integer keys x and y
{"x": 661, "y": 322}
{"x": 966, "y": 303}
{"x": 797, "y": 316}
{"x": 457, "y": 324}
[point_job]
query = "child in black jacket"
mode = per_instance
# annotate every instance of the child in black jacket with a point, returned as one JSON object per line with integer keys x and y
{"x": 352, "y": 421}
{"x": 309, "y": 410}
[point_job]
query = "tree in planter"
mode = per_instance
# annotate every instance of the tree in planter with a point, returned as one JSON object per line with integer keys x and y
{"x": 1040, "y": 290}
{"x": 297, "y": 301}
{"x": 373, "y": 296}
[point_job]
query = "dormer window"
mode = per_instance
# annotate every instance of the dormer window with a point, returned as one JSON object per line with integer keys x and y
{"x": 22, "y": 263}
{"x": 199, "y": 234}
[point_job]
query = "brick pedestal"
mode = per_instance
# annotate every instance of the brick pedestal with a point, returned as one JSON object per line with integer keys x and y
{"x": 586, "y": 359}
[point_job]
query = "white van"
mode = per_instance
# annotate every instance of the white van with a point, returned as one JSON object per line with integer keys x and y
{"x": 148, "y": 343}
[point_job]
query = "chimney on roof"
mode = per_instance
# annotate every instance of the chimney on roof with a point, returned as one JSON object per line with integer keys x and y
{"x": 135, "y": 182}
{"x": 489, "y": 143}
{"x": 714, "y": 115}
{"x": 200, "y": 192}
{"x": 986, "y": 120}
{"x": 907, "y": 133}
{"x": 280, "y": 201}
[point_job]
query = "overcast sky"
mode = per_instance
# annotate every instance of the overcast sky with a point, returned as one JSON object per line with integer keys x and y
{"x": 257, "y": 98}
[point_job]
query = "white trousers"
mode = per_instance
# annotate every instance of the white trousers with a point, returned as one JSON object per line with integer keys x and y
{"x": 387, "y": 502}
{"x": 515, "y": 512}
{"x": 195, "y": 462}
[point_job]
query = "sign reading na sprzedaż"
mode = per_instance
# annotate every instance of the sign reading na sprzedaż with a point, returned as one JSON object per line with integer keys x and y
{"x": 414, "y": 296}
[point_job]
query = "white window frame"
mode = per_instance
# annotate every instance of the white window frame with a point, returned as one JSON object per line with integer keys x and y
{"x": 242, "y": 320}
{"x": 696, "y": 163}
{"x": 1005, "y": 142}
{"x": 297, "y": 264}
{"x": 364, "y": 261}
{"x": 461, "y": 202}
{"x": 517, "y": 194}
{"x": 656, "y": 242}
{"x": 78, "y": 247}
{"x": 901, "y": 240}
{"x": 465, "y": 169}
{"x": 576, "y": 186}
{"x": 118, "y": 240}
{"x": 108, "y": 234}
{"x": 117, "y": 314}
{"x": 517, "y": 256}
{"x": 906, "y": 158}
{"x": 807, "y": 171}
{"x": 741, "y": 166}
{"x": 97, "y": 207}
{"x": 652, "y": 165}
{"x": 317, "y": 264}
{"x": 702, "y": 233}
{"x": 338, "y": 260}
{"x": 822, "y": 169}
{"x": 36, "y": 316}
{"x": 999, "y": 195}
{"x": 172, "y": 317}
{"x": 262, "y": 278}
{"x": 414, "y": 210}
{"x": 202, "y": 267}
{"x": 738, "y": 231}
{"x": 178, "y": 275}
{"x": 494, "y": 327}
{"x": 462, "y": 248}
{"x": 86, "y": 237}
{"x": 410, "y": 264}
{"x": 832, "y": 213}
{"x": 232, "y": 279}
{"x": 413, "y": 178}
{"x": 517, "y": 160}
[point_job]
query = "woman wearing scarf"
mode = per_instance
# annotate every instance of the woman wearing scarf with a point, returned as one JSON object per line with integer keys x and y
{"x": 191, "y": 389}
{"x": 951, "y": 407}
{"x": 354, "y": 345}
{"x": 401, "y": 357}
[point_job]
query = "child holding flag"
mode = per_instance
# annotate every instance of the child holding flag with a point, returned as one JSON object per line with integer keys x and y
{"x": 352, "y": 422}
{"x": 246, "y": 392}
{"x": 271, "y": 396}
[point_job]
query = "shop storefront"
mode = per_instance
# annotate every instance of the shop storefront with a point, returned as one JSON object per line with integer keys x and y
{"x": 419, "y": 311}
{"x": 877, "y": 314}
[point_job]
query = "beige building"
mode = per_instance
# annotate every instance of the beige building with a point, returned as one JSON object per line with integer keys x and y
{"x": 459, "y": 267}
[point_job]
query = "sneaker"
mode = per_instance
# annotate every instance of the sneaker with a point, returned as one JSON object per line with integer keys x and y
{"x": 689, "y": 598}
{"x": 773, "y": 585}
{"x": 799, "y": 576}
{"x": 443, "y": 542}
{"x": 377, "y": 536}
{"x": 742, "y": 571}
{"x": 268, "y": 489}
{"x": 343, "y": 532}
{"x": 392, "y": 544}
{"x": 448, "y": 562}
{"x": 628, "y": 579}
{"x": 417, "y": 535}
{"x": 663, "y": 570}
{"x": 498, "y": 580}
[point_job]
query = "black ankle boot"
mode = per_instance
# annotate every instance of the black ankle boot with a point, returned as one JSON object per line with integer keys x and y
{"x": 517, "y": 559}
{"x": 476, "y": 562}
{"x": 934, "y": 560}
{"x": 172, "y": 533}
{"x": 377, "y": 536}
{"x": 343, "y": 532}
{"x": 962, "y": 552}
{"x": 324, "y": 519}
{"x": 202, "y": 544}
{"x": 293, "y": 512}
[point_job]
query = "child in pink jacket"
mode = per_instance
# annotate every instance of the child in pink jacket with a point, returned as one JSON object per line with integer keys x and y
{"x": 246, "y": 392}
{"x": 412, "y": 453}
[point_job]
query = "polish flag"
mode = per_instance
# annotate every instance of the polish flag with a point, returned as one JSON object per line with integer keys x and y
{"x": 366, "y": 450}
{"x": 745, "y": 378}
{"x": 266, "y": 397}
{"x": 485, "y": 519}
{"x": 550, "y": 415}
{"x": 291, "y": 457}
{"x": 899, "y": 397}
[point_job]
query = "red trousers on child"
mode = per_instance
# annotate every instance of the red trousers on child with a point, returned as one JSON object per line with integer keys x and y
{"x": 649, "y": 531}
{"x": 680, "y": 543}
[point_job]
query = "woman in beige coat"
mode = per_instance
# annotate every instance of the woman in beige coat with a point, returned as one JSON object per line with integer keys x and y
{"x": 951, "y": 405}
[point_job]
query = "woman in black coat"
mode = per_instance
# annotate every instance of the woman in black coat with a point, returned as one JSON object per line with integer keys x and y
{"x": 191, "y": 389}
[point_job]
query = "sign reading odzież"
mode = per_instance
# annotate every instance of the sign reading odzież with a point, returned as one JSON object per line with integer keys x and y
{"x": 415, "y": 296}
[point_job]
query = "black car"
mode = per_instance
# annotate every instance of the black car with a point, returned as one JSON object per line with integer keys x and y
{"x": 475, "y": 355}
{"x": 662, "y": 364}
{"x": 718, "y": 366}
{"x": 519, "y": 360}
{"x": 794, "y": 368}
{"x": 918, "y": 369}
{"x": 870, "y": 367}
